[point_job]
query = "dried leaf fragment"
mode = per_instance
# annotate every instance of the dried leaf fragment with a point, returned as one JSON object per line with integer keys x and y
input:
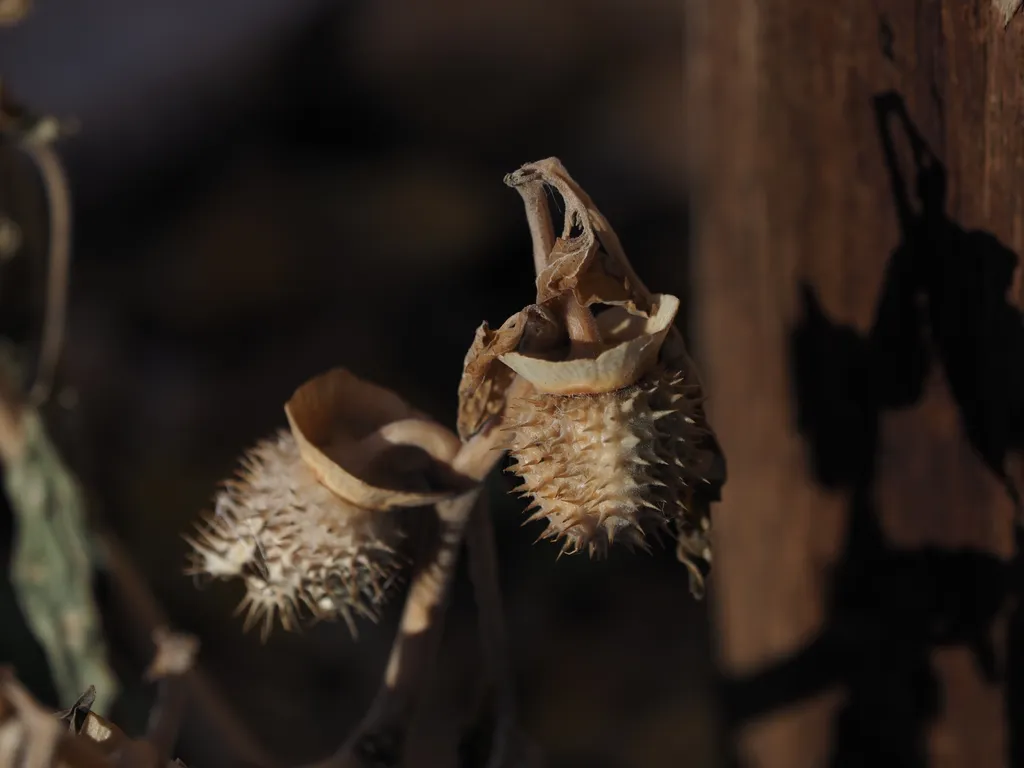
{"x": 82, "y": 721}
{"x": 485, "y": 380}
{"x": 590, "y": 263}
{"x": 484, "y": 383}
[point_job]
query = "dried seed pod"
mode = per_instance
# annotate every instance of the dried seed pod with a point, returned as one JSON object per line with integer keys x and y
{"x": 305, "y": 524}
{"x": 609, "y": 466}
{"x": 607, "y": 447}
{"x": 295, "y": 543}
{"x": 612, "y": 443}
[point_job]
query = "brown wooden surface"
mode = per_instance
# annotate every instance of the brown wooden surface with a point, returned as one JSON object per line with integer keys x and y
{"x": 861, "y": 572}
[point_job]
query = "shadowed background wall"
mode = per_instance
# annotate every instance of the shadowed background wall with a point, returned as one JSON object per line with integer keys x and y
{"x": 858, "y": 218}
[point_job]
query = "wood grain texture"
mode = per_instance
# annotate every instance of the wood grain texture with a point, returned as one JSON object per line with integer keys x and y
{"x": 861, "y": 357}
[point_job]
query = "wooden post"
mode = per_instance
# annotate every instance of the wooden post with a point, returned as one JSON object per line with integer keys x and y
{"x": 858, "y": 177}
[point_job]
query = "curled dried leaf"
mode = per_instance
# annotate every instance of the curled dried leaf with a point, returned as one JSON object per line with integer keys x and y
{"x": 367, "y": 445}
{"x": 570, "y": 258}
{"x": 588, "y": 258}
{"x": 82, "y": 721}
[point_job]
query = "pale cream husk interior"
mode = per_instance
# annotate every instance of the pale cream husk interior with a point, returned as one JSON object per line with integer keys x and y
{"x": 337, "y": 418}
{"x": 634, "y": 341}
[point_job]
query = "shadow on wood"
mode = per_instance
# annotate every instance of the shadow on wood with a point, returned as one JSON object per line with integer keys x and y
{"x": 943, "y": 303}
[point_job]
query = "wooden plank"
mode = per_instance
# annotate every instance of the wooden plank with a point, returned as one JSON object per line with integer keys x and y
{"x": 861, "y": 357}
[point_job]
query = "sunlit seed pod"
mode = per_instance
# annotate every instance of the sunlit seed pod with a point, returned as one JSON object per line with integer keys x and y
{"x": 610, "y": 467}
{"x": 300, "y": 549}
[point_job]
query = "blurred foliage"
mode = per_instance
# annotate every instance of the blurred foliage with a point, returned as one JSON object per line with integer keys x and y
{"x": 51, "y": 570}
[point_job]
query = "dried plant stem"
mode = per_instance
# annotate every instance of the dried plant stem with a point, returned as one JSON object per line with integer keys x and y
{"x": 207, "y": 708}
{"x": 538, "y": 215}
{"x": 483, "y": 571}
{"x": 378, "y": 740}
{"x": 579, "y": 320}
{"x": 167, "y": 715}
{"x": 580, "y": 323}
{"x": 59, "y": 198}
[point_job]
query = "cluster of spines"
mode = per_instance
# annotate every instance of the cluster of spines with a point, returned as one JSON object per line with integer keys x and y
{"x": 611, "y": 467}
{"x": 300, "y": 549}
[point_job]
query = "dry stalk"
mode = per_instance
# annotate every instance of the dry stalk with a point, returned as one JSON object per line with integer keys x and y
{"x": 378, "y": 740}
{"x": 56, "y": 184}
{"x": 483, "y": 571}
{"x": 35, "y": 135}
{"x": 208, "y": 711}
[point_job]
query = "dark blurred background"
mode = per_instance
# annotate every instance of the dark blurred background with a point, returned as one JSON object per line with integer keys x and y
{"x": 264, "y": 189}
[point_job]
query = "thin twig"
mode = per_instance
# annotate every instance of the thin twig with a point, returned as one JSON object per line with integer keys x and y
{"x": 58, "y": 197}
{"x": 538, "y": 215}
{"x": 206, "y": 705}
{"x": 175, "y": 657}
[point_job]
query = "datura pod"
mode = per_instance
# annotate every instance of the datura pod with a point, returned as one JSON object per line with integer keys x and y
{"x": 306, "y": 522}
{"x": 609, "y": 439}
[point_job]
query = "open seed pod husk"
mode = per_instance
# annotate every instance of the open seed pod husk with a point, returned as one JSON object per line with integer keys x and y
{"x": 368, "y": 445}
{"x": 610, "y": 440}
{"x": 306, "y": 523}
{"x": 631, "y": 345}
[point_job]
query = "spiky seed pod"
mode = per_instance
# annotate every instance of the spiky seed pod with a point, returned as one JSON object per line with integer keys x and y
{"x": 307, "y": 524}
{"x": 610, "y": 466}
{"x": 612, "y": 443}
{"x": 611, "y": 446}
{"x": 299, "y": 547}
